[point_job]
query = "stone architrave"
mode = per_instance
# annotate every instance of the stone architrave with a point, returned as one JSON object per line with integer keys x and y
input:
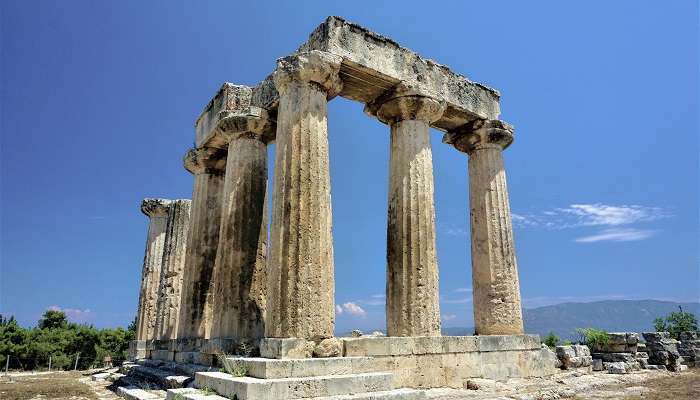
{"x": 208, "y": 166}
{"x": 157, "y": 212}
{"x": 300, "y": 268}
{"x": 240, "y": 272}
{"x": 496, "y": 288}
{"x": 412, "y": 282}
{"x": 170, "y": 287}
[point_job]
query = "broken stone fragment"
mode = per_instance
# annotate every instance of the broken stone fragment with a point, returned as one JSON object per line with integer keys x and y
{"x": 331, "y": 347}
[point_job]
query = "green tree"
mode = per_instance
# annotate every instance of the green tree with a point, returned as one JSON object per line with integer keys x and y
{"x": 53, "y": 319}
{"x": 677, "y": 322}
{"x": 551, "y": 340}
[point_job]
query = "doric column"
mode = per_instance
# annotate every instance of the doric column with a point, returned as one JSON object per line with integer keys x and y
{"x": 240, "y": 272}
{"x": 496, "y": 289}
{"x": 208, "y": 165}
{"x": 412, "y": 283}
{"x": 157, "y": 212}
{"x": 300, "y": 267}
{"x": 174, "y": 249}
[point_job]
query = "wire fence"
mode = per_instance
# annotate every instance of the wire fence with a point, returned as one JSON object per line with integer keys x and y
{"x": 57, "y": 362}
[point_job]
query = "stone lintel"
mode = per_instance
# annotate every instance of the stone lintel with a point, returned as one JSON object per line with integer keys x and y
{"x": 370, "y": 66}
{"x": 396, "y": 346}
{"x": 237, "y": 109}
{"x": 373, "y": 64}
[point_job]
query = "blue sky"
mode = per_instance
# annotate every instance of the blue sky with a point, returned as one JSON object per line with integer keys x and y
{"x": 98, "y": 102}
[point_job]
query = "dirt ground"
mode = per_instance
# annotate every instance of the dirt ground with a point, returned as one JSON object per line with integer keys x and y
{"x": 61, "y": 385}
{"x": 685, "y": 386}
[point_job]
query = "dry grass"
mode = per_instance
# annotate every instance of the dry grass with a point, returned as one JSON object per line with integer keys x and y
{"x": 63, "y": 385}
{"x": 685, "y": 386}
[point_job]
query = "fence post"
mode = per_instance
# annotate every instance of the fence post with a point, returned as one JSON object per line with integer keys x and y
{"x": 77, "y": 356}
{"x": 49, "y": 363}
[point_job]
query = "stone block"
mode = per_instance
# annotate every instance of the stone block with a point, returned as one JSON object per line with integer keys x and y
{"x": 458, "y": 344}
{"x": 507, "y": 342}
{"x": 615, "y": 357}
{"x": 266, "y": 368}
{"x": 573, "y": 356}
{"x": 283, "y": 348}
{"x": 195, "y": 357}
{"x": 246, "y": 388}
{"x": 615, "y": 367}
{"x": 688, "y": 336}
{"x": 597, "y": 364}
{"x": 330, "y": 347}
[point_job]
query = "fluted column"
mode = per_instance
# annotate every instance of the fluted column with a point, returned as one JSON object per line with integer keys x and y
{"x": 157, "y": 212}
{"x": 412, "y": 283}
{"x": 207, "y": 165}
{"x": 174, "y": 250}
{"x": 240, "y": 271}
{"x": 300, "y": 268}
{"x": 496, "y": 289}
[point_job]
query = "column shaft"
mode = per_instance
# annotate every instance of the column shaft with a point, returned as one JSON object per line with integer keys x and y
{"x": 170, "y": 287}
{"x": 239, "y": 296}
{"x": 302, "y": 288}
{"x": 496, "y": 289}
{"x": 202, "y": 241}
{"x": 156, "y": 210}
{"x": 412, "y": 301}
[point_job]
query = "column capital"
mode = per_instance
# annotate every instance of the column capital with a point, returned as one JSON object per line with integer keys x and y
{"x": 205, "y": 160}
{"x": 155, "y": 207}
{"x": 255, "y": 122}
{"x": 315, "y": 66}
{"x": 480, "y": 134}
{"x": 405, "y": 103}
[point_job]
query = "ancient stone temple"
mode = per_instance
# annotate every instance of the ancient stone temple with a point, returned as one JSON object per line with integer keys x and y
{"x": 228, "y": 291}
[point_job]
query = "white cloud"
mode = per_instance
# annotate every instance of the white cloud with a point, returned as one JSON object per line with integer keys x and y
{"x": 617, "y": 235}
{"x": 463, "y": 290}
{"x": 378, "y": 296}
{"x": 449, "y": 317}
{"x": 597, "y": 214}
{"x": 75, "y": 314}
{"x": 351, "y": 308}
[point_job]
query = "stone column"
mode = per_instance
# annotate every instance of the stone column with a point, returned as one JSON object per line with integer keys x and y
{"x": 174, "y": 249}
{"x": 157, "y": 212}
{"x": 240, "y": 272}
{"x": 207, "y": 165}
{"x": 496, "y": 289}
{"x": 412, "y": 283}
{"x": 300, "y": 267}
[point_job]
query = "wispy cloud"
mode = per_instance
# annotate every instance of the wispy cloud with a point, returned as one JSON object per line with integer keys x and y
{"x": 617, "y": 235}
{"x": 374, "y": 300}
{"x": 579, "y": 215}
{"x": 610, "y": 218}
{"x": 464, "y": 300}
{"x": 350, "y": 308}
{"x": 75, "y": 314}
{"x": 463, "y": 290}
{"x": 449, "y": 317}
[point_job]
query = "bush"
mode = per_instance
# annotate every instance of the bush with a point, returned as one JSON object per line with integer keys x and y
{"x": 677, "y": 322}
{"x": 551, "y": 340}
{"x": 56, "y": 339}
{"x": 593, "y": 337}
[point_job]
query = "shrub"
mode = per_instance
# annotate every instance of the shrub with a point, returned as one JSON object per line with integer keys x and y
{"x": 551, "y": 340}
{"x": 593, "y": 337}
{"x": 677, "y": 322}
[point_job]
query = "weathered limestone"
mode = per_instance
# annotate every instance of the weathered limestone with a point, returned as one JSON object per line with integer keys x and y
{"x": 497, "y": 306}
{"x": 157, "y": 212}
{"x": 412, "y": 298}
{"x": 574, "y": 356}
{"x": 300, "y": 267}
{"x": 240, "y": 273}
{"x": 174, "y": 249}
{"x": 207, "y": 165}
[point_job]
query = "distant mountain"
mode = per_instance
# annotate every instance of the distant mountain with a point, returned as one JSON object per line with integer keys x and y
{"x": 610, "y": 315}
